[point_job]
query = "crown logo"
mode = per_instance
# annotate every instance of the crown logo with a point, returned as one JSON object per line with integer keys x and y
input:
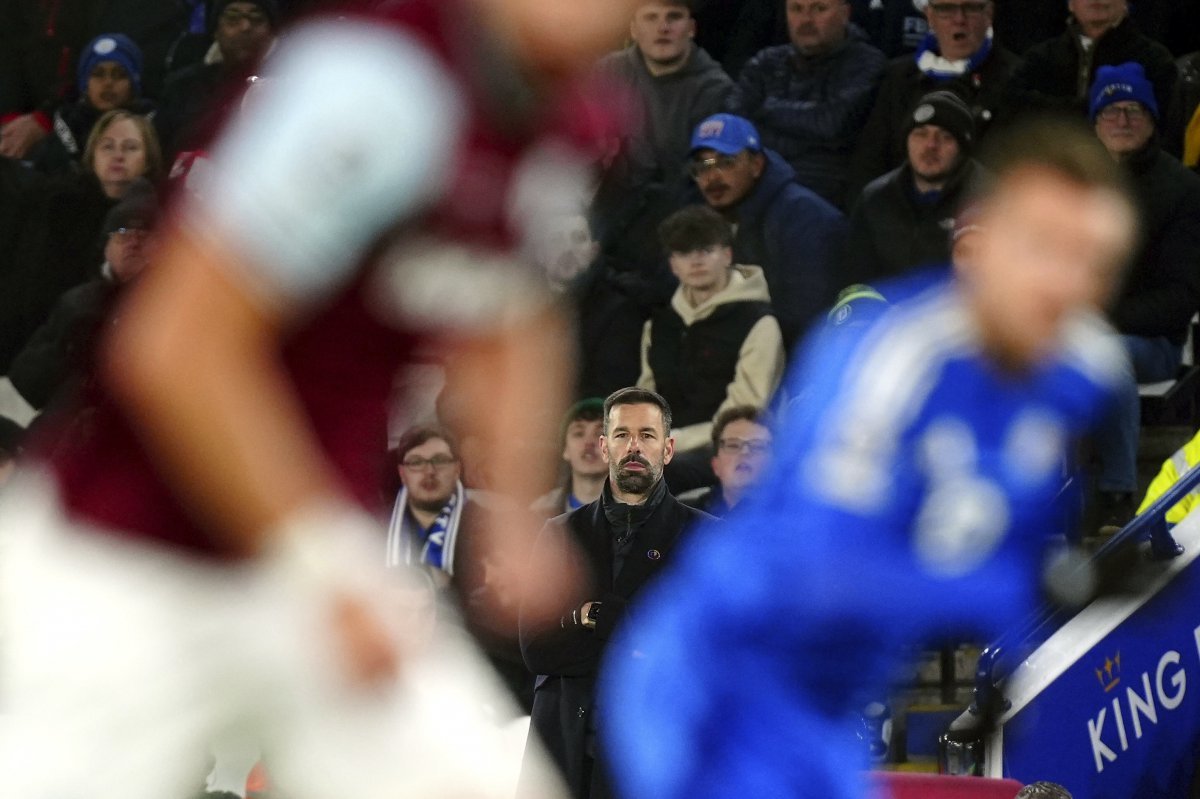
{"x": 1109, "y": 676}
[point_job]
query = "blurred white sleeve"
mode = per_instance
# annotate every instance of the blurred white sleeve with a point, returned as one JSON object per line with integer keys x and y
{"x": 354, "y": 127}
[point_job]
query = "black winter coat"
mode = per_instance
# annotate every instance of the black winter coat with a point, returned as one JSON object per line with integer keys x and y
{"x": 1162, "y": 290}
{"x": 810, "y": 110}
{"x": 57, "y": 244}
{"x": 891, "y": 233}
{"x": 61, "y": 350}
{"x": 567, "y": 658}
{"x": 895, "y": 26}
{"x": 1057, "y": 75}
{"x": 195, "y": 100}
{"x": 881, "y": 147}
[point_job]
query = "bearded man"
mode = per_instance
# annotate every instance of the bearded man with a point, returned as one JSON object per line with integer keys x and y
{"x": 625, "y": 537}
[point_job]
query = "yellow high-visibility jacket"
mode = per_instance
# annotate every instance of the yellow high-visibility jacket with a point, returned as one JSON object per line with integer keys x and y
{"x": 1173, "y": 468}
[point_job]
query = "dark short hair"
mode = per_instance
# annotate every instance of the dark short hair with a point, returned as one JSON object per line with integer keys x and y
{"x": 414, "y": 437}
{"x": 694, "y": 227}
{"x": 590, "y": 409}
{"x": 637, "y": 396}
{"x": 1067, "y": 148}
{"x": 587, "y": 410}
{"x": 748, "y": 413}
{"x": 1043, "y": 790}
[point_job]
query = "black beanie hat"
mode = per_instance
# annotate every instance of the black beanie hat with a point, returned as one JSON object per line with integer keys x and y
{"x": 946, "y": 110}
{"x": 137, "y": 209}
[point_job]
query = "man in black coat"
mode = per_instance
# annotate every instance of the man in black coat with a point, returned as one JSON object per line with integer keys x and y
{"x": 810, "y": 98}
{"x": 196, "y": 97}
{"x": 60, "y": 352}
{"x": 1162, "y": 290}
{"x": 903, "y": 219}
{"x": 1055, "y": 75}
{"x": 622, "y": 541}
{"x": 960, "y": 55}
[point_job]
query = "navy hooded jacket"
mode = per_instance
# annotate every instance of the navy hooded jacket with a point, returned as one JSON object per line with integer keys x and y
{"x": 798, "y": 239}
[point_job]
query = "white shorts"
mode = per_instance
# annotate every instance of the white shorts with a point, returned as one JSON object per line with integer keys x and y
{"x": 121, "y": 664}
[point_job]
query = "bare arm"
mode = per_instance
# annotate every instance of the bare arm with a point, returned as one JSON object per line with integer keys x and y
{"x": 194, "y": 361}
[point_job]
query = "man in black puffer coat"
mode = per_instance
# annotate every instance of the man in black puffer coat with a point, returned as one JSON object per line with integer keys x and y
{"x": 903, "y": 219}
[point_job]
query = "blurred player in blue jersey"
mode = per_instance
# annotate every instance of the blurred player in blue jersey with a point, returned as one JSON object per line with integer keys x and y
{"x": 911, "y": 498}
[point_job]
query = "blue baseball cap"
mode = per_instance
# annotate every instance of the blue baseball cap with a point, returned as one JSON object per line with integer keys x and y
{"x": 726, "y": 133}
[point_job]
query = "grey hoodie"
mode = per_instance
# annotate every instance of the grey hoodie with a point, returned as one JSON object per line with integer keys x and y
{"x": 673, "y": 105}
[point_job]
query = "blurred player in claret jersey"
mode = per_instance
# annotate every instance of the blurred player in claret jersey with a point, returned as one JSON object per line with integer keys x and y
{"x": 202, "y": 559}
{"x": 911, "y": 497}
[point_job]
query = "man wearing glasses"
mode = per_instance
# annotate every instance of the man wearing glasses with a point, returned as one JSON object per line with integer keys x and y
{"x": 1162, "y": 291}
{"x": 742, "y": 443}
{"x": 795, "y": 236}
{"x": 243, "y": 33}
{"x": 959, "y": 55}
{"x": 1055, "y": 75}
{"x": 430, "y": 506}
{"x": 437, "y": 527}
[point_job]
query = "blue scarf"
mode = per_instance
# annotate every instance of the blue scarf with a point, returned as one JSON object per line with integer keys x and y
{"x": 409, "y": 545}
{"x": 930, "y": 61}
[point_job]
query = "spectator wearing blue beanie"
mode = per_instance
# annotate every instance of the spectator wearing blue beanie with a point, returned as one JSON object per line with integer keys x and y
{"x": 1056, "y": 75}
{"x": 108, "y": 77}
{"x": 1162, "y": 289}
{"x": 114, "y": 48}
{"x": 1120, "y": 84}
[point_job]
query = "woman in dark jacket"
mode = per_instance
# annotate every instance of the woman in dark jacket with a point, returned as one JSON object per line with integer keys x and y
{"x": 56, "y": 242}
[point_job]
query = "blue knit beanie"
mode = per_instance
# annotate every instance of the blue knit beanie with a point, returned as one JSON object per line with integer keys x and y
{"x": 111, "y": 47}
{"x": 1119, "y": 84}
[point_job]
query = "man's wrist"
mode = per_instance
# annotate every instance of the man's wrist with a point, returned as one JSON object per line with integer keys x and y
{"x": 589, "y": 614}
{"x": 583, "y": 616}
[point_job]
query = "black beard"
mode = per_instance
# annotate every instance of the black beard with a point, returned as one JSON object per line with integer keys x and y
{"x": 635, "y": 482}
{"x": 429, "y": 506}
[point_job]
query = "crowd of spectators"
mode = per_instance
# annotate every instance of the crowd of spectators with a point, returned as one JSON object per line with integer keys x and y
{"x": 778, "y": 151}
